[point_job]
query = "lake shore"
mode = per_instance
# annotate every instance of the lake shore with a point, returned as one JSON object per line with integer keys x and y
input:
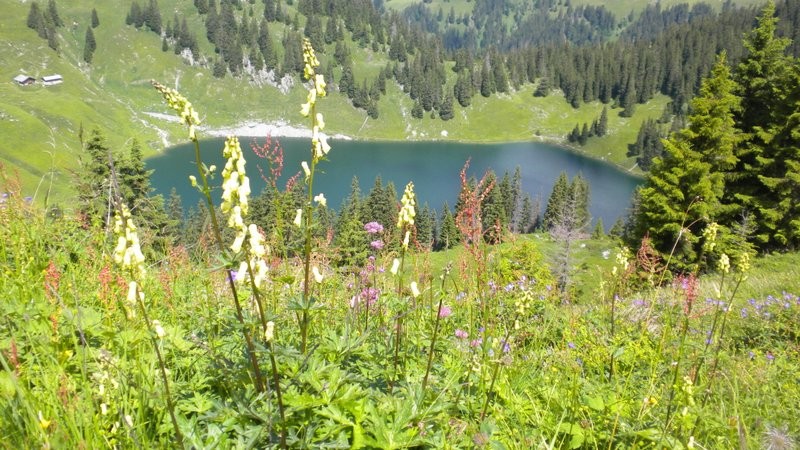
{"x": 274, "y": 129}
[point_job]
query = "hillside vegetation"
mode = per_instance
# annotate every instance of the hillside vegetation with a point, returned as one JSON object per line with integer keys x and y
{"x": 275, "y": 337}
{"x": 43, "y": 124}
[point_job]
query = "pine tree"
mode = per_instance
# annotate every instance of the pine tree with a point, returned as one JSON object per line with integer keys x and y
{"x": 683, "y": 190}
{"x": 602, "y": 124}
{"x": 93, "y": 182}
{"x": 463, "y": 89}
{"x": 527, "y": 216}
{"x": 446, "y": 110}
{"x": 426, "y": 227}
{"x": 416, "y": 111}
{"x": 583, "y": 137}
{"x": 629, "y": 97}
{"x": 765, "y": 177}
{"x": 267, "y": 47}
{"x": 52, "y": 36}
{"x": 579, "y": 191}
{"x": 672, "y": 200}
{"x": 175, "y": 217}
{"x": 599, "y": 230}
{"x": 449, "y": 235}
{"x": 89, "y": 46}
{"x": 95, "y": 19}
{"x": 36, "y": 19}
{"x": 52, "y": 14}
{"x": 557, "y": 200}
{"x": 487, "y": 81}
{"x": 493, "y": 216}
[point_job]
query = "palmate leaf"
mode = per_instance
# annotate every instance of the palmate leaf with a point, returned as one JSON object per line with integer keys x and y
{"x": 391, "y": 426}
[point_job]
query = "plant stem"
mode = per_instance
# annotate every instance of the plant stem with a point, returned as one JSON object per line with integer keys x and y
{"x": 497, "y": 367}
{"x": 259, "y": 380}
{"x": 278, "y": 394}
{"x": 161, "y": 365}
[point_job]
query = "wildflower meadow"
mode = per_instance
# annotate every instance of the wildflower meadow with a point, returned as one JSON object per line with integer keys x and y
{"x": 107, "y": 343}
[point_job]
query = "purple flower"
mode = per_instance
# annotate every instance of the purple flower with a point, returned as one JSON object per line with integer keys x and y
{"x": 461, "y": 334}
{"x": 377, "y": 244}
{"x": 571, "y": 344}
{"x": 476, "y": 342}
{"x": 233, "y": 275}
{"x": 373, "y": 227}
{"x": 770, "y": 356}
{"x": 445, "y": 312}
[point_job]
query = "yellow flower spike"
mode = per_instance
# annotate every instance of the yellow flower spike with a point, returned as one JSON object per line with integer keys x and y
{"x": 395, "y": 266}
{"x": 319, "y": 84}
{"x": 269, "y": 333}
{"x": 159, "y": 329}
{"x": 306, "y": 170}
{"x": 305, "y": 109}
{"x": 407, "y": 211}
{"x": 320, "y": 199}
{"x": 317, "y": 274}
{"x": 414, "y": 289}
{"x": 298, "y": 218}
{"x": 181, "y": 105}
{"x": 724, "y": 264}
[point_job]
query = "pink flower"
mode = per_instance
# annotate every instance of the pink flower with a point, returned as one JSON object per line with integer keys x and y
{"x": 461, "y": 334}
{"x": 377, "y": 245}
{"x": 445, "y": 312}
{"x": 373, "y": 227}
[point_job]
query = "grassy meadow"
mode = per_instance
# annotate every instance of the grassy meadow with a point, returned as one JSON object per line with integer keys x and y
{"x": 107, "y": 342}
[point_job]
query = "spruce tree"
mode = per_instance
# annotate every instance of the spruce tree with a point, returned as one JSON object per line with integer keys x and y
{"x": 765, "y": 177}
{"x": 426, "y": 227}
{"x": 36, "y": 19}
{"x": 448, "y": 236}
{"x": 580, "y": 193}
{"x": 52, "y": 14}
{"x": 602, "y": 124}
{"x": 446, "y": 110}
{"x": 95, "y": 19}
{"x": 684, "y": 188}
{"x": 89, "y": 45}
{"x": 557, "y": 200}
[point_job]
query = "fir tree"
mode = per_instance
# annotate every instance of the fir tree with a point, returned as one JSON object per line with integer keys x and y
{"x": 89, "y": 45}
{"x": 446, "y": 110}
{"x": 602, "y": 124}
{"x": 766, "y": 175}
{"x": 36, "y": 19}
{"x": 449, "y": 235}
{"x": 426, "y": 227}
{"x": 557, "y": 200}
{"x": 95, "y": 19}
{"x": 52, "y": 14}
{"x": 683, "y": 190}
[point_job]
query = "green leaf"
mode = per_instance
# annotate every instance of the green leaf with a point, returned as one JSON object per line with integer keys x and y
{"x": 596, "y": 403}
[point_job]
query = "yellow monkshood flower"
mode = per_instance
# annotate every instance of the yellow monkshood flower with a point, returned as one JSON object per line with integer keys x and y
{"x": 128, "y": 253}
{"x": 181, "y": 105}
{"x": 407, "y": 210}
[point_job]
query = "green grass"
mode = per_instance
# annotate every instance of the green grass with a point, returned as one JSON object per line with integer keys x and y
{"x": 77, "y": 371}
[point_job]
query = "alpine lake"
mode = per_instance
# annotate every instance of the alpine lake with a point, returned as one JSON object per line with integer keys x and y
{"x": 434, "y": 168}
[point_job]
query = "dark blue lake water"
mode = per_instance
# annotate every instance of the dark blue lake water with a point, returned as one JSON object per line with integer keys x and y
{"x": 432, "y": 166}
